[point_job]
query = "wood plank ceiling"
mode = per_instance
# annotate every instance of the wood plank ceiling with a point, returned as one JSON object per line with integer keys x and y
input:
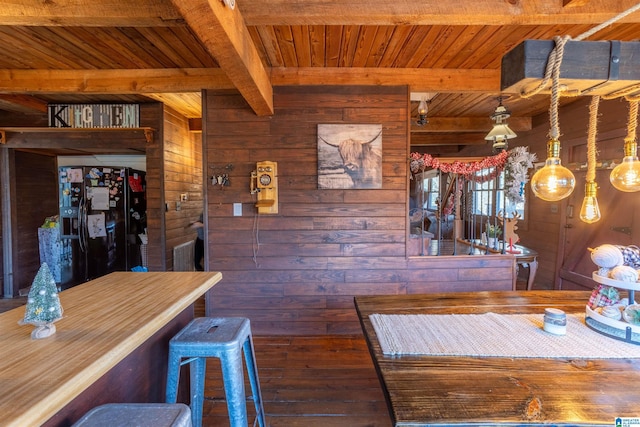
{"x": 168, "y": 50}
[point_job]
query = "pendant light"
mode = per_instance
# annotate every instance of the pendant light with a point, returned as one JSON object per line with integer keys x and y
{"x": 554, "y": 182}
{"x": 501, "y": 131}
{"x": 590, "y": 211}
{"x": 626, "y": 176}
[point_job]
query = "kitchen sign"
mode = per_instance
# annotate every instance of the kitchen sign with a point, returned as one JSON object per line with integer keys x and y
{"x": 94, "y": 115}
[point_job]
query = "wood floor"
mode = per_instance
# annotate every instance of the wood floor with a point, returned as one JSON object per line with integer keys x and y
{"x": 310, "y": 381}
{"x": 324, "y": 381}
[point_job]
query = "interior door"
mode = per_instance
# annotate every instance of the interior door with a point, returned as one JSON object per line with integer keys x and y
{"x": 619, "y": 225}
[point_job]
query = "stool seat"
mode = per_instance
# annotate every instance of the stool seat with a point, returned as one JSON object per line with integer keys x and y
{"x": 138, "y": 415}
{"x": 225, "y": 338}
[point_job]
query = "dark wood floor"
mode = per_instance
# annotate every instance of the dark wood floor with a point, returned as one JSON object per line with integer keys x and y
{"x": 310, "y": 381}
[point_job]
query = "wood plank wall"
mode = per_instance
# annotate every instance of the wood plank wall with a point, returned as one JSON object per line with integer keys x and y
{"x": 37, "y": 180}
{"x": 297, "y": 272}
{"x": 182, "y": 175}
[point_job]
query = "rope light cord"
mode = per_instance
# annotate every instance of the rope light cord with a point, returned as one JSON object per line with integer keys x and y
{"x": 632, "y": 124}
{"x": 605, "y": 24}
{"x": 591, "y": 139}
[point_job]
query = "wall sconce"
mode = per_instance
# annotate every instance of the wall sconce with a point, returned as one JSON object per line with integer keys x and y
{"x": 554, "y": 182}
{"x": 425, "y": 99}
{"x": 626, "y": 176}
{"x": 423, "y": 109}
{"x": 501, "y": 131}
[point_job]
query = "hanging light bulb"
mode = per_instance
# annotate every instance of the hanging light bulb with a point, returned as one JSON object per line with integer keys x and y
{"x": 553, "y": 182}
{"x": 590, "y": 211}
{"x": 626, "y": 176}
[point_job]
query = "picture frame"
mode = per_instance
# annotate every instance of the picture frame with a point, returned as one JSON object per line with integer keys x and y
{"x": 349, "y": 156}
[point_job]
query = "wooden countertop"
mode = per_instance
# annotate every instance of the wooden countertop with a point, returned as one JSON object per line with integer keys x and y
{"x": 104, "y": 320}
{"x": 426, "y": 390}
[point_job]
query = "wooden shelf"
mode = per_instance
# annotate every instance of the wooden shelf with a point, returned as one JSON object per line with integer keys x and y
{"x": 148, "y": 132}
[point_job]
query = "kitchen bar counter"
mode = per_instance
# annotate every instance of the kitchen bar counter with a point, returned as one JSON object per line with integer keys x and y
{"x": 110, "y": 345}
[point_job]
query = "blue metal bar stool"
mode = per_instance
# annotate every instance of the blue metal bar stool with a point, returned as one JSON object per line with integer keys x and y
{"x": 225, "y": 338}
{"x": 137, "y": 414}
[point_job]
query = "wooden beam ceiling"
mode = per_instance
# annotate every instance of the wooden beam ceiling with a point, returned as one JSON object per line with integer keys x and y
{"x": 433, "y": 12}
{"x": 98, "y": 13}
{"x": 224, "y": 34}
{"x": 114, "y": 81}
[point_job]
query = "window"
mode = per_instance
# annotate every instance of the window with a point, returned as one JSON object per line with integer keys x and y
{"x": 486, "y": 196}
{"x": 431, "y": 185}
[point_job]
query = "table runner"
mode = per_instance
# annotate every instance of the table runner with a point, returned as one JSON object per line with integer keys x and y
{"x": 491, "y": 334}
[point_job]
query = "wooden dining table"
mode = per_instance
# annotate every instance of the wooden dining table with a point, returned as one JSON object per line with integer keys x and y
{"x": 111, "y": 346}
{"x": 435, "y": 390}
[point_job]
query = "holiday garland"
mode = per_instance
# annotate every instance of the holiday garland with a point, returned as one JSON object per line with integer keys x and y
{"x": 516, "y": 164}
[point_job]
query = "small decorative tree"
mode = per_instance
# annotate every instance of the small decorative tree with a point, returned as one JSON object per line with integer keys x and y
{"x": 43, "y": 304}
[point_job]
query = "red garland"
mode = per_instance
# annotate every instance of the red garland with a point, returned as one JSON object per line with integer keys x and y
{"x": 422, "y": 161}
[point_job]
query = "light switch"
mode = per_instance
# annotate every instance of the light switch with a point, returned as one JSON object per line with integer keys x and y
{"x": 237, "y": 209}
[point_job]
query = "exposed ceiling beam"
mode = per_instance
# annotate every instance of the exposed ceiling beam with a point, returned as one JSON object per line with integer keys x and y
{"x": 468, "y": 124}
{"x": 165, "y": 80}
{"x": 95, "y": 13}
{"x": 419, "y": 79}
{"x": 432, "y": 12}
{"x": 138, "y": 81}
{"x": 223, "y": 33}
{"x": 313, "y": 12}
{"x": 22, "y": 103}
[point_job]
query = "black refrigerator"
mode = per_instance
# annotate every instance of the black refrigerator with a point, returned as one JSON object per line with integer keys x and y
{"x": 102, "y": 214}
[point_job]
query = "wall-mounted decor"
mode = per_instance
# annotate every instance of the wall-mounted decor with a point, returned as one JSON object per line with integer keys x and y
{"x": 349, "y": 156}
{"x": 94, "y": 115}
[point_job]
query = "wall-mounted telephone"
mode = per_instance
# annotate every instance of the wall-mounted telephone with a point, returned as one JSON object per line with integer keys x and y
{"x": 264, "y": 183}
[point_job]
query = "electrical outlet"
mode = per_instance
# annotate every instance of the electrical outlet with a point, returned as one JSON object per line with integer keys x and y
{"x": 178, "y": 206}
{"x": 184, "y": 197}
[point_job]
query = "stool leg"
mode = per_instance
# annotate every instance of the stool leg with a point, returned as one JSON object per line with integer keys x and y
{"x": 197, "y": 373}
{"x": 173, "y": 377}
{"x": 233, "y": 379}
{"x": 252, "y": 372}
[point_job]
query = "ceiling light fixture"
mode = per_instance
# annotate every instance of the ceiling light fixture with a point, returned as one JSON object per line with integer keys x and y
{"x": 501, "y": 131}
{"x": 554, "y": 182}
{"x": 626, "y": 176}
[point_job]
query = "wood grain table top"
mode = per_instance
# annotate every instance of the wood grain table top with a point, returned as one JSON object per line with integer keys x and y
{"x": 103, "y": 321}
{"x": 454, "y": 390}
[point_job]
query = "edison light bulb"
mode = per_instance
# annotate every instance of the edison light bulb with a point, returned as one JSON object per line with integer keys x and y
{"x": 590, "y": 211}
{"x": 626, "y": 176}
{"x": 553, "y": 182}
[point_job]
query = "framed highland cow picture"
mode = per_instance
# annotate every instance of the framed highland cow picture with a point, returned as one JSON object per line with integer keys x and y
{"x": 349, "y": 156}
